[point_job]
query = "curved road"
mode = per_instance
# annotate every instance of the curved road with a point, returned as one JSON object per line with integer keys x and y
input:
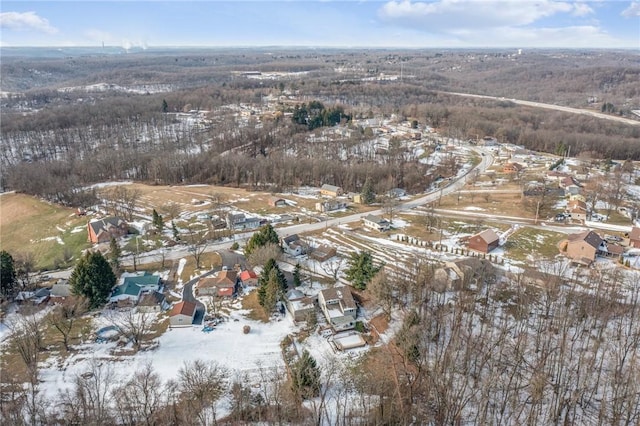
{"x": 554, "y": 107}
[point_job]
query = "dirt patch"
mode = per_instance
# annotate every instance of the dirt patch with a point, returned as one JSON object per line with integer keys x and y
{"x": 256, "y": 312}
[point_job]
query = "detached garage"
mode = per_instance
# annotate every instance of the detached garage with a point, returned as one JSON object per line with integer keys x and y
{"x": 182, "y": 314}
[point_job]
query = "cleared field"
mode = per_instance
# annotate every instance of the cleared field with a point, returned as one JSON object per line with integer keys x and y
{"x": 527, "y": 244}
{"x": 52, "y": 233}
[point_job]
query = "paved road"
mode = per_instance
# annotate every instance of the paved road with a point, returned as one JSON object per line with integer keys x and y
{"x": 554, "y": 107}
{"x": 187, "y": 295}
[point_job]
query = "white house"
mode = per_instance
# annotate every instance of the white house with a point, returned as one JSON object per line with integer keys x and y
{"x": 377, "y": 223}
{"x": 338, "y": 307}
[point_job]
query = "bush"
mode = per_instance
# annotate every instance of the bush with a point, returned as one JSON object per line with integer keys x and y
{"x": 359, "y": 327}
{"x": 235, "y": 246}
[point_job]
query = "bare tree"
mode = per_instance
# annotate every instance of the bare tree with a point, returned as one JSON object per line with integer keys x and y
{"x": 333, "y": 266}
{"x": 64, "y": 317}
{"x": 201, "y": 384}
{"x": 381, "y": 288}
{"x": 198, "y": 243}
{"x": 134, "y": 326}
{"x": 141, "y": 398}
{"x": 260, "y": 255}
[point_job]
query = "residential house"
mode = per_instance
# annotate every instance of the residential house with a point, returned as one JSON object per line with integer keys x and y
{"x": 35, "y": 298}
{"x": 60, "y": 290}
{"x": 608, "y": 249}
{"x": 484, "y": 241}
{"x": 330, "y": 190}
{"x": 488, "y": 141}
{"x": 299, "y": 305}
{"x": 338, "y": 307}
{"x": 577, "y": 210}
{"x": 634, "y": 237}
{"x": 323, "y": 253}
{"x": 377, "y": 223}
{"x": 152, "y": 302}
{"x": 102, "y": 230}
{"x": 182, "y": 314}
{"x": 249, "y": 277}
{"x": 225, "y": 284}
{"x": 512, "y": 168}
{"x": 330, "y": 205}
{"x": 294, "y": 246}
{"x": 238, "y": 221}
{"x": 132, "y": 287}
{"x": 581, "y": 247}
{"x": 277, "y": 202}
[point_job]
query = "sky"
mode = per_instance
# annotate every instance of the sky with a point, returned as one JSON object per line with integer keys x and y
{"x": 320, "y": 23}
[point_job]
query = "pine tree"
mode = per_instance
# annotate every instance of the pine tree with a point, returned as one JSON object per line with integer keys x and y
{"x": 93, "y": 279}
{"x": 165, "y": 106}
{"x": 114, "y": 254}
{"x": 368, "y": 196}
{"x": 157, "y": 220}
{"x": 176, "y": 233}
{"x": 265, "y": 235}
{"x": 297, "y": 281}
{"x": 361, "y": 269}
{"x": 7, "y": 273}
{"x": 306, "y": 377}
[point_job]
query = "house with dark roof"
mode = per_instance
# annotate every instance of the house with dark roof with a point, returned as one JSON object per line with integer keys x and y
{"x": 182, "y": 314}
{"x": 61, "y": 290}
{"x": 338, "y": 307}
{"x": 377, "y": 223}
{"x": 239, "y": 221}
{"x": 294, "y": 246}
{"x": 152, "y": 302}
{"x": 323, "y": 253}
{"x": 582, "y": 247}
{"x": 101, "y": 230}
{"x": 484, "y": 241}
{"x": 133, "y": 286}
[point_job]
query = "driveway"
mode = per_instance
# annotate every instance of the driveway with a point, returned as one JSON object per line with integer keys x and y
{"x": 187, "y": 295}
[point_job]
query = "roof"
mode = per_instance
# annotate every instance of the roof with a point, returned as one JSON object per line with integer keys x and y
{"x": 106, "y": 223}
{"x": 151, "y": 299}
{"x": 588, "y": 237}
{"x": 61, "y": 289}
{"x": 248, "y": 275}
{"x": 376, "y": 219}
{"x": 183, "y": 308}
{"x": 489, "y": 236}
{"x": 290, "y": 239}
{"x": 343, "y": 294}
{"x": 145, "y": 279}
{"x": 128, "y": 288}
{"x": 634, "y": 234}
{"x": 332, "y": 188}
{"x": 228, "y": 277}
{"x": 294, "y": 294}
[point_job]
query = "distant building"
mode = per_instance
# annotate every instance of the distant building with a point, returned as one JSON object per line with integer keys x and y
{"x": 102, "y": 230}
{"x": 238, "y": 221}
{"x": 484, "y": 241}
{"x": 277, "y": 202}
{"x": 330, "y": 190}
{"x": 377, "y": 223}
{"x": 330, "y": 205}
{"x": 634, "y": 237}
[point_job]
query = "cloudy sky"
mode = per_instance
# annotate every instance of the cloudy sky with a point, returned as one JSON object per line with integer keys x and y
{"x": 344, "y": 23}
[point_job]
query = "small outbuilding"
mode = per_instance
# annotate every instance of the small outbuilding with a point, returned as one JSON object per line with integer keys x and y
{"x": 484, "y": 241}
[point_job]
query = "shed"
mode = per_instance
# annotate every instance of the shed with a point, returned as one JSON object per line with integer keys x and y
{"x": 182, "y": 314}
{"x": 484, "y": 241}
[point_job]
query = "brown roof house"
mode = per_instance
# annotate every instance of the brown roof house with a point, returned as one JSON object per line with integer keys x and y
{"x": 634, "y": 237}
{"x": 224, "y": 284}
{"x": 182, "y": 314}
{"x": 330, "y": 190}
{"x": 249, "y": 277}
{"x": 484, "y": 242}
{"x": 512, "y": 168}
{"x": 338, "y": 307}
{"x": 101, "y": 230}
{"x": 581, "y": 247}
{"x": 577, "y": 210}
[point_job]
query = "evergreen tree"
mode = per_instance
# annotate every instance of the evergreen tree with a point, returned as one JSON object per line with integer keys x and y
{"x": 297, "y": 280}
{"x": 157, "y": 220}
{"x": 306, "y": 377}
{"x": 361, "y": 269}
{"x": 93, "y": 279}
{"x": 165, "y": 106}
{"x": 270, "y": 292}
{"x": 268, "y": 267}
{"x": 176, "y": 234}
{"x": 114, "y": 254}
{"x": 368, "y": 196}
{"x": 265, "y": 235}
{"x": 7, "y": 273}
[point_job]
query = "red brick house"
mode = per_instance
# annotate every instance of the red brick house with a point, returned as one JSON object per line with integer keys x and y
{"x": 101, "y": 230}
{"x": 484, "y": 242}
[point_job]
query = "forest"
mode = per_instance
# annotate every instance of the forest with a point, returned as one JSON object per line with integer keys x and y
{"x": 70, "y": 122}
